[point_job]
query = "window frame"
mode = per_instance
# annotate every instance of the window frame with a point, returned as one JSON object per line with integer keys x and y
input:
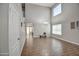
{"x": 56, "y": 33}
{"x": 55, "y": 7}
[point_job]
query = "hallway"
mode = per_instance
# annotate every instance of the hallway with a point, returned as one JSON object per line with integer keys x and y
{"x": 49, "y": 47}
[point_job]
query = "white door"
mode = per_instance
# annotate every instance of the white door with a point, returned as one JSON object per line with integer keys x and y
{"x": 14, "y": 26}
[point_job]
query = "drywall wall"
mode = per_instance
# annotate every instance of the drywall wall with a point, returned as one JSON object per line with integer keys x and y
{"x": 12, "y": 35}
{"x": 40, "y": 18}
{"x": 22, "y": 35}
{"x": 38, "y": 29}
{"x": 4, "y": 29}
{"x": 16, "y": 31}
{"x": 70, "y": 13}
{"x": 37, "y": 14}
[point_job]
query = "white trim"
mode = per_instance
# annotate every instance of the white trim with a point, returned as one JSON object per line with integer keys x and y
{"x": 35, "y": 36}
{"x": 70, "y": 42}
{"x": 4, "y": 54}
{"x": 67, "y": 41}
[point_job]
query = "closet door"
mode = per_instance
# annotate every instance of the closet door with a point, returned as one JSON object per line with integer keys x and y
{"x": 14, "y": 27}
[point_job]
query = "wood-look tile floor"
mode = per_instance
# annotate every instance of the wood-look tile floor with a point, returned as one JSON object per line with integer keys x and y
{"x": 49, "y": 47}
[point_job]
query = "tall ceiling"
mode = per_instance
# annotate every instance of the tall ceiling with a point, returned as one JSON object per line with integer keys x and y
{"x": 45, "y": 4}
{"x": 38, "y": 12}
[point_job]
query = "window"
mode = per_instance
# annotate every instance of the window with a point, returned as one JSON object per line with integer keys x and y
{"x": 57, "y": 10}
{"x": 57, "y": 29}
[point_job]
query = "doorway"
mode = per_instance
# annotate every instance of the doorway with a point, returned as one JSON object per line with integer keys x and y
{"x": 29, "y": 31}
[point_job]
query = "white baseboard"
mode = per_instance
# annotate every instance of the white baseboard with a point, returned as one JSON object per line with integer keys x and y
{"x": 35, "y": 36}
{"x": 39, "y": 36}
{"x": 68, "y": 41}
{"x": 4, "y": 54}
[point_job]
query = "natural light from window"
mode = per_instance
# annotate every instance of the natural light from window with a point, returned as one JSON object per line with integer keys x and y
{"x": 57, "y": 10}
{"x": 57, "y": 29}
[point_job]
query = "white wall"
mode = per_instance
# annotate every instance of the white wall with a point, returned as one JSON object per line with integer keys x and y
{"x": 38, "y": 15}
{"x": 38, "y": 29}
{"x": 4, "y": 29}
{"x": 10, "y": 29}
{"x": 22, "y": 35}
{"x": 15, "y": 30}
{"x": 69, "y": 14}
